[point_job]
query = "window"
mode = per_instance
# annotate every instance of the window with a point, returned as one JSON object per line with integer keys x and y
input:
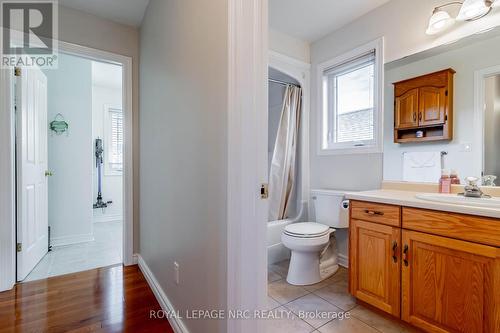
{"x": 114, "y": 129}
{"x": 351, "y": 117}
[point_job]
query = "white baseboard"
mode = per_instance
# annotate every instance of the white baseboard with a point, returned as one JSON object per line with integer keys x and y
{"x": 108, "y": 218}
{"x": 176, "y": 323}
{"x": 343, "y": 260}
{"x": 135, "y": 259}
{"x": 69, "y": 240}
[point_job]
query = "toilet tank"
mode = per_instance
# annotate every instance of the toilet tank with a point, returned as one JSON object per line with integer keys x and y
{"x": 331, "y": 208}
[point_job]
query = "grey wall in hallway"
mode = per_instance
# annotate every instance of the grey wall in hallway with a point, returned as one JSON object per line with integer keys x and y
{"x": 183, "y": 150}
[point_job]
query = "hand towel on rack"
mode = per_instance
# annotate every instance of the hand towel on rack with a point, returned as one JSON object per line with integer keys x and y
{"x": 422, "y": 166}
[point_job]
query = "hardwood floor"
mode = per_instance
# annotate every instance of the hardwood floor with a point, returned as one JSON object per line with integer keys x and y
{"x": 111, "y": 299}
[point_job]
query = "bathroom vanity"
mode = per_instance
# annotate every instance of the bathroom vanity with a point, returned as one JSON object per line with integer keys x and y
{"x": 431, "y": 264}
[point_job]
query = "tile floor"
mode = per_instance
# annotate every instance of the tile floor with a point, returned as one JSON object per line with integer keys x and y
{"x": 294, "y": 308}
{"x": 105, "y": 250}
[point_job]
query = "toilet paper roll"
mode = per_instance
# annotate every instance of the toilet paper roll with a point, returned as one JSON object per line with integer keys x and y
{"x": 345, "y": 205}
{"x": 344, "y": 214}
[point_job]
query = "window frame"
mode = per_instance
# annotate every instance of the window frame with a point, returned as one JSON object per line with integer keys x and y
{"x": 108, "y": 109}
{"x": 376, "y": 145}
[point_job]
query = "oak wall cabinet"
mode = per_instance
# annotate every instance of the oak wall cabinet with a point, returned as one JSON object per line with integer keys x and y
{"x": 424, "y": 105}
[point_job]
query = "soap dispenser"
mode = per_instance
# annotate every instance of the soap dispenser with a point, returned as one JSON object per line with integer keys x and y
{"x": 454, "y": 178}
{"x": 445, "y": 182}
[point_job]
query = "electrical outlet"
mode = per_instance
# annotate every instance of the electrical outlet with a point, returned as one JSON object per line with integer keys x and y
{"x": 176, "y": 272}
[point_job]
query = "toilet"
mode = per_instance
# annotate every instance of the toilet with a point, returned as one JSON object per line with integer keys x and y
{"x": 312, "y": 244}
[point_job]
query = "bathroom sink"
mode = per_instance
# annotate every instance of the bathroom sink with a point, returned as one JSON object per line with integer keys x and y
{"x": 460, "y": 200}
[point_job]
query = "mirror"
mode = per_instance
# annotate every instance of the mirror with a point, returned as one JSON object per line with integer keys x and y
{"x": 474, "y": 149}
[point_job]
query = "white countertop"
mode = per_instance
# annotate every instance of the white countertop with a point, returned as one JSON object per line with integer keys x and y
{"x": 409, "y": 199}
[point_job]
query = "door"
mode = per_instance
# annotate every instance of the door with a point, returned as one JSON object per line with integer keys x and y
{"x": 375, "y": 265}
{"x": 432, "y": 106}
{"x": 31, "y": 160}
{"x": 450, "y": 285}
{"x": 406, "y": 109}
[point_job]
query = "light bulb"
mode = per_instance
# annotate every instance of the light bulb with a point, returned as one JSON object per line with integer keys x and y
{"x": 439, "y": 21}
{"x": 473, "y": 10}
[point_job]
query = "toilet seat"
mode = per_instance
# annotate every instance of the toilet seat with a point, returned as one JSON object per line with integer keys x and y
{"x": 307, "y": 230}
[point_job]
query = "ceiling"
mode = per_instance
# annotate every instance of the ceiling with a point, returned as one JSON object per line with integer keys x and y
{"x": 312, "y": 20}
{"x": 128, "y": 12}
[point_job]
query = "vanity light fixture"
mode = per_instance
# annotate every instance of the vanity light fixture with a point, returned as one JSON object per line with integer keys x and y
{"x": 470, "y": 10}
{"x": 439, "y": 20}
{"x": 474, "y": 9}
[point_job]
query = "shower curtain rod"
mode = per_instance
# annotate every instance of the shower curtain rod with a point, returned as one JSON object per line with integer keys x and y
{"x": 284, "y": 83}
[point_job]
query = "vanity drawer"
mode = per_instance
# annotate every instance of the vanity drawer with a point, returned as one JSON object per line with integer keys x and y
{"x": 476, "y": 229}
{"x": 376, "y": 212}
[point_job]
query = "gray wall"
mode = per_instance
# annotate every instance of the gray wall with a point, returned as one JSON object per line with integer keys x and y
{"x": 183, "y": 143}
{"x": 288, "y": 45}
{"x": 70, "y": 156}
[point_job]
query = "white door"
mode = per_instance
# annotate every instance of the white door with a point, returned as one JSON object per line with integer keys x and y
{"x": 31, "y": 151}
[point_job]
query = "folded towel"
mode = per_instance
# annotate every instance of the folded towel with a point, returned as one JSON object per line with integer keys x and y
{"x": 422, "y": 167}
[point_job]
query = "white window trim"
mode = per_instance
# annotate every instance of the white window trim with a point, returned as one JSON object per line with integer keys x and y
{"x": 378, "y": 116}
{"x": 108, "y": 171}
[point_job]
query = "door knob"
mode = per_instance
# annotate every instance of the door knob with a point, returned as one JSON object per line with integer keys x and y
{"x": 48, "y": 173}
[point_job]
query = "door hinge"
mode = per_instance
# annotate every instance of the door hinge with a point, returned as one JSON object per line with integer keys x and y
{"x": 264, "y": 191}
{"x": 17, "y": 71}
{"x": 19, "y": 247}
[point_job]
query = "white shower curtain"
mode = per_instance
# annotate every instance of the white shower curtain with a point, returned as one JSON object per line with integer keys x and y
{"x": 282, "y": 174}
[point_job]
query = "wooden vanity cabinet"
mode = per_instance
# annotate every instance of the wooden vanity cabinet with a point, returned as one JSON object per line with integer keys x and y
{"x": 425, "y": 104}
{"x": 375, "y": 265}
{"x": 449, "y": 285}
{"x": 418, "y": 272}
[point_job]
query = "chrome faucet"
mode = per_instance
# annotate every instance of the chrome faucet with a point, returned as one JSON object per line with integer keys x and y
{"x": 472, "y": 189}
{"x": 489, "y": 180}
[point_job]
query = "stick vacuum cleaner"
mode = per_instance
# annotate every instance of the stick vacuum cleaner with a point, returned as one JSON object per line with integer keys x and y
{"x": 99, "y": 161}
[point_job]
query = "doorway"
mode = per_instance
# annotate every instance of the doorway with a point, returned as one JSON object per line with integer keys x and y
{"x": 486, "y": 122}
{"x": 69, "y": 164}
{"x": 8, "y": 213}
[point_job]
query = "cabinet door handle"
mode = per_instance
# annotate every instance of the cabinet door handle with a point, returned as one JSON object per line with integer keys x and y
{"x": 420, "y": 116}
{"x": 405, "y": 255}
{"x": 373, "y": 212}
{"x": 414, "y": 116}
{"x": 394, "y": 251}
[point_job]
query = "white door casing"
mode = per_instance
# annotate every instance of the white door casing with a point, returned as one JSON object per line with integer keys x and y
{"x": 8, "y": 224}
{"x": 31, "y": 151}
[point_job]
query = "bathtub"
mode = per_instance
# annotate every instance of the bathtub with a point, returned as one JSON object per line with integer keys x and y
{"x": 276, "y": 251}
